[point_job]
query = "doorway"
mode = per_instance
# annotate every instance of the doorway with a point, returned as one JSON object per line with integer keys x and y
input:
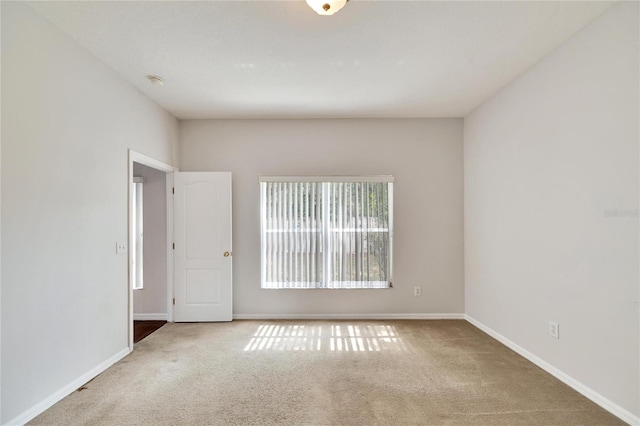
{"x": 149, "y": 257}
{"x": 150, "y": 266}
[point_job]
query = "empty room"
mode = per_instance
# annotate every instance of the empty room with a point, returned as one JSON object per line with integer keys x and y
{"x": 320, "y": 212}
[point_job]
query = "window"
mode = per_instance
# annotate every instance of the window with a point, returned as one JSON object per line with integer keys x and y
{"x": 326, "y": 232}
{"x": 137, "y": 226}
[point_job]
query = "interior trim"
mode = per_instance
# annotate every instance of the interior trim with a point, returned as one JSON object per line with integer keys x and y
{"x": 585, "y": 390}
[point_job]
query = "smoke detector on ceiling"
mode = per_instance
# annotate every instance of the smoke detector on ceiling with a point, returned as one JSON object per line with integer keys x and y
{"x": 155, "y": 80}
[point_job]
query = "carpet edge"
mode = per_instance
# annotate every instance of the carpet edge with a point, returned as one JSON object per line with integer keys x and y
{"x": 39, "y": 408}
{"x": 581, "y": 388}
{"x": 348, "y": 316}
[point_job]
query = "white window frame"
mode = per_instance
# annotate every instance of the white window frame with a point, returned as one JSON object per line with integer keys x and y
{"x": 326, "y": 180}
{"x": 138, "y": 233}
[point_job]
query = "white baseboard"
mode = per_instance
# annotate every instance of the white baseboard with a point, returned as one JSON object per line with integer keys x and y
{"x": 46, "y": 403}
{"x": 347, "y": 316}
{"x": 594, "y": 396}
{"x": 150, "y": 317}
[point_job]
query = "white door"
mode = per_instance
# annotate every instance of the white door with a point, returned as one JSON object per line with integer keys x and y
{"x": 202, "y": 254}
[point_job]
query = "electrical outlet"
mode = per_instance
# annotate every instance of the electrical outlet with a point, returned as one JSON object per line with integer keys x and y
{"x": 554, "y": 329}
{"x": 121, "y": 248}
{"x": 417, "y": 291}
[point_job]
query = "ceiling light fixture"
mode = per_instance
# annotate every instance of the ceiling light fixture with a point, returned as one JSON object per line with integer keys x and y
{"x": 326, "y": 7}
{"x": 155, "y": 80}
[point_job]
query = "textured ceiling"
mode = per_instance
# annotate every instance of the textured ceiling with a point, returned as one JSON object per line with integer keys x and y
{"x": 278, "y": 59}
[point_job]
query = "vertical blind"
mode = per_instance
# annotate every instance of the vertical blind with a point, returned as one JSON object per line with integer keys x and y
{"x": 326, "y": 232}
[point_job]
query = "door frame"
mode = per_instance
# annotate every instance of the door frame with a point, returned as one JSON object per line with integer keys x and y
{"x": 136, "y": 157}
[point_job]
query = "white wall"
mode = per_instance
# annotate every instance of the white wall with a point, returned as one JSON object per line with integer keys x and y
{"x": 67, "y": 123}
{"x": 150, "y": 302}
{"x": 545, "y": 159}
{"x": 424, "y": 156}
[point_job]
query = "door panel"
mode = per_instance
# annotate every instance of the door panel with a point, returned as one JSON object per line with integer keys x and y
{"x": 202, "y": 286}
{"x": 202, "y": 241}
{"x": 202, "y": 232}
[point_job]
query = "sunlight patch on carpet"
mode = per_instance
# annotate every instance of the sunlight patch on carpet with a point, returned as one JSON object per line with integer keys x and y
{"x": 331, "y": 338}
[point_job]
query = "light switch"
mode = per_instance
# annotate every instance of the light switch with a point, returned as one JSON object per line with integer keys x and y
{"x": 121, "y": 248}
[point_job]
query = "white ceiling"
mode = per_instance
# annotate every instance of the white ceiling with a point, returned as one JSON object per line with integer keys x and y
{"x": 278, "y": 59}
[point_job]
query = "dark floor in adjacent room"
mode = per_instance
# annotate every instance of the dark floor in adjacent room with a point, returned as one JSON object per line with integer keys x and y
{"x": 142, "y": 329}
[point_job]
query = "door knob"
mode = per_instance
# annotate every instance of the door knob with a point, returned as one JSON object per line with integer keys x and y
{"x": 227, "y": 254}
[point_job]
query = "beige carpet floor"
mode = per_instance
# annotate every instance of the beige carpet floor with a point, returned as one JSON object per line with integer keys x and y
{"x": 324, "y": 373}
